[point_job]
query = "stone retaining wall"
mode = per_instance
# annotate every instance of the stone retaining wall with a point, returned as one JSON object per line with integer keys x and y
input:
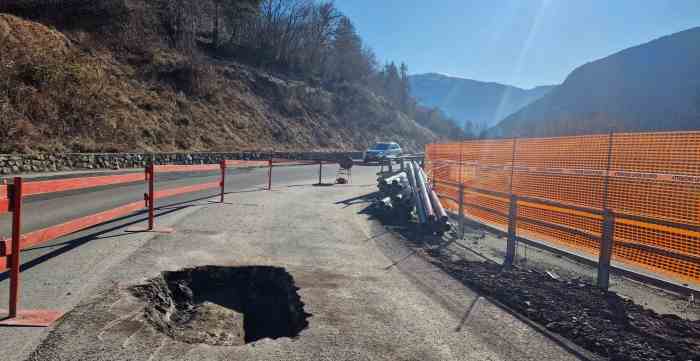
{"x": 38, "y": 163}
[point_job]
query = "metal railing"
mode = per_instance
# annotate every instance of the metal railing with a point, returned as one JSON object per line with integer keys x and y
{"x": 633, "y": 198}
{"x": 12, "y": 196}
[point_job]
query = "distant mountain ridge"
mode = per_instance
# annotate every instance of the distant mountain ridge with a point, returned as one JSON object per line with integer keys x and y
{"x": 483, "y": 104}
{"x": 650, "y": 87}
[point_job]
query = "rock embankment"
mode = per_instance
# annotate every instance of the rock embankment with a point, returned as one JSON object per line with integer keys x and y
{"x": 36, "y": 163}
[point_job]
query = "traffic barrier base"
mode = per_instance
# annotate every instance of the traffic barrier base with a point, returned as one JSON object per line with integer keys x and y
{"x": 30, "y": 318}
{"x": 163, "y": 230}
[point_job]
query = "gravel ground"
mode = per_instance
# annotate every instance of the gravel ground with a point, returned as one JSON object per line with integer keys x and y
{"x": 369, "y": 297}
{"x": 492, "y": 246}
{"x": 608, "y": 324}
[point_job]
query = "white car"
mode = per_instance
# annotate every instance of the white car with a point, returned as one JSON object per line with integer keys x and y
{"x": 382, "y": 151}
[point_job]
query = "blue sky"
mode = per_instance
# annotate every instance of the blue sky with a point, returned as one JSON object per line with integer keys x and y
{"x": 519, "y": 42}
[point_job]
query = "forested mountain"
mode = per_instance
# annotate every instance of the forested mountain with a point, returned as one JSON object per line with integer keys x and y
{"x": 164, "y": 75}
{"x": 467, "y": 101}
{"x": 653, "y": 86}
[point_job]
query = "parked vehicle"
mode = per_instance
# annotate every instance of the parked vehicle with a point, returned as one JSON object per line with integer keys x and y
{"x": 382, "y": 151}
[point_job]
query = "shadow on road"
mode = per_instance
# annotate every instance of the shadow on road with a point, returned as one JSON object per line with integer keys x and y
{"x": 70, "y": 245}
{"x": 142, "y": 216}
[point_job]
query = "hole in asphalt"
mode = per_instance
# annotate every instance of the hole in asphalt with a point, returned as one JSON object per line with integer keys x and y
{"x": 224, "y": 306}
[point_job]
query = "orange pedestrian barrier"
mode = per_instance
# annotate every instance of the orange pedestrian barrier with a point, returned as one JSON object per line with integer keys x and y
{"x": 648, "y": 182}
{"x": 11, "y": 199}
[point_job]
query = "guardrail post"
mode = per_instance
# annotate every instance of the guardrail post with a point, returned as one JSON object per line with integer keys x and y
{"x": 512, "y": 230}
{"x": 391, "y": 166}
{"x": 606, "y": 248}
{"x": 269, "y": 175}
{"x": 461, "y": 210}
{"x": 223, "y": 179}
{"x": 16, "y": 237}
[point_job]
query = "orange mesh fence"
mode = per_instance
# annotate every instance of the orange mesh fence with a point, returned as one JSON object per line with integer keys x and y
{"x": 650, "y": 181}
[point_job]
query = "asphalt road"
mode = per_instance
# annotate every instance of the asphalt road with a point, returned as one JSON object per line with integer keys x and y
{"x": 367, "y": 295}
{"x": 57, "y": 274}
{"x": 54, "y": 208}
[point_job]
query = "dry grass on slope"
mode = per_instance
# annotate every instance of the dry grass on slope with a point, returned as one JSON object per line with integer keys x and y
{"x": 63, "y": 92}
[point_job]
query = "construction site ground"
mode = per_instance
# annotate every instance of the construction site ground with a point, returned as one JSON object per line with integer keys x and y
{"x": 479, "y": 241}
{"x": 366, "y": 295}
{"x": 631, "y": 321}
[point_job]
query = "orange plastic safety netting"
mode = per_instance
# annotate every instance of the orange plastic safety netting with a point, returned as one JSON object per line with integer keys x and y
{"x": 651, "y": 181}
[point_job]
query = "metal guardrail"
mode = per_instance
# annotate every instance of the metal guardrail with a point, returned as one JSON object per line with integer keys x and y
{"x": 605, "y": 238}
{"x": 645, "y": 187}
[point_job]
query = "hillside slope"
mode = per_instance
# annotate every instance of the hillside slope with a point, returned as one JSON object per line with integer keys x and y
{"x": 483, "y": 104}
{"x": 654, "y": 86}
{"x": 62, "y": 92}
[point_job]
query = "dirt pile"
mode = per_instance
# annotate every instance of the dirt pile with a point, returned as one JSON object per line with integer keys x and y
{"x": 224, "y": 306}
{"x": 597, "y": 320}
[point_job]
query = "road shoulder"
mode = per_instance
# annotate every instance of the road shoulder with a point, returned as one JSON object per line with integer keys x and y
{"x": 369, "y": 299}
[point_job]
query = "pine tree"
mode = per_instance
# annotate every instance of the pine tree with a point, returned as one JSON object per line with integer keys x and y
{"x": 349, "y": 61}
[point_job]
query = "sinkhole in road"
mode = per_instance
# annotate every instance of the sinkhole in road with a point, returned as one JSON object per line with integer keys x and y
{"x": 224, "y": 306}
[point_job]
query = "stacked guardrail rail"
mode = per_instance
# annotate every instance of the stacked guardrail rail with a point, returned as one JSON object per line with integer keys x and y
{"x": 408, "y": 190}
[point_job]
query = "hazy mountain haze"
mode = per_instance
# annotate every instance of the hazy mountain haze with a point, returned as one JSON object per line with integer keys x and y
{"x": 483, "y": 104}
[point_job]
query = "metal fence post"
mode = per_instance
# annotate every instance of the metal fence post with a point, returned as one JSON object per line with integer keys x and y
{"x": 320, "y": 172}
{"x": 269, "y": 175}
{"x": 606, "y": 248}
{"x": 16, "y": 238}
{"x": 223, "y": 179}
{"x": 391, "y": 166}
{"x": 150, "y": 173}
{"x": 512, "y": 230}
{"x": 461, "y": 210}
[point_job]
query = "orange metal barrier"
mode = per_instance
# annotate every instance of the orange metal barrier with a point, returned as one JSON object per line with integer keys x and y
{"x": 11, "y": 199}
{"x": 650, "y": 182}
{"x": 4, "y": 199}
